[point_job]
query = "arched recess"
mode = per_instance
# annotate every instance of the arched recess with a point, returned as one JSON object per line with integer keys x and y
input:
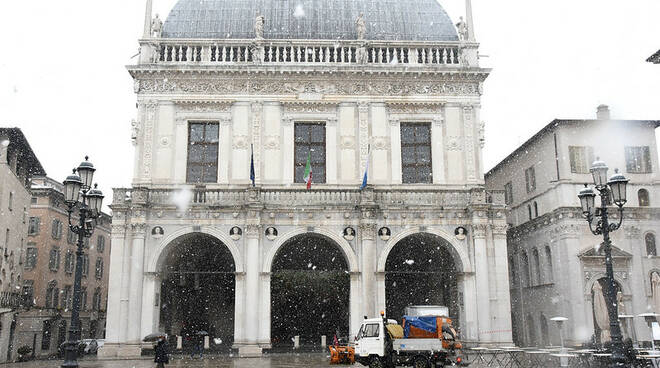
{"x": 347, "y": 250}
{"x": 159, "y": 254}
{"x": 310, "y": 289}
{"x": 459, "y": 252}
{"x": 160, "y": 282}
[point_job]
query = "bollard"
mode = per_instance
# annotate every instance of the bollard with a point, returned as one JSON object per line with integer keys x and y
{"x": 323, "y": 342}
{"x": 207, "y": 343}
{"x": 296, "y": 342}
{"x": 179, "y": 342}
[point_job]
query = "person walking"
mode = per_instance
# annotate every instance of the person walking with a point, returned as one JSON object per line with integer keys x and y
{"x": 162, "y": 353}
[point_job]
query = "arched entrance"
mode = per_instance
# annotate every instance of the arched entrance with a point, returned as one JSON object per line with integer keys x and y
{"x": 310, "y": 291}
{"x": 198, "y": 292}
{"x": 420, "y": 270}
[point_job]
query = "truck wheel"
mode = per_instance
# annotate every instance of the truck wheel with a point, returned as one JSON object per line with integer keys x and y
{"x": 421, "y": 362}
{"x": 376, "y": 363}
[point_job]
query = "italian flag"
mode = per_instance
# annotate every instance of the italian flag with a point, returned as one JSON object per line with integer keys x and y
{"x": 308, "y": 171}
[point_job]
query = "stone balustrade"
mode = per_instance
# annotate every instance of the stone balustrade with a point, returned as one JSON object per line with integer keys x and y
{"x": 286, "y": 197}
{"x": 267, "y": 52}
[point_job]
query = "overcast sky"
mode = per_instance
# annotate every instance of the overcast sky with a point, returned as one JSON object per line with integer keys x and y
{"x": 63, "y": 81}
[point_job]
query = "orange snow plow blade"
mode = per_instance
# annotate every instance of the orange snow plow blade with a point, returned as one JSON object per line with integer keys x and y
{"x": 342, "y": 354}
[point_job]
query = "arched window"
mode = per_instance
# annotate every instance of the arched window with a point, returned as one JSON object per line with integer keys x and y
{"x": 548, "y": 262}
{"x": 536, "y": 210}
{"x": 544, "y": 338}
{"x": 649, "y": 239}
{"x": 529, "y": 209}
{"x": 643, "y": 197}
{"x": 537, "y": 267}
{"x": 524, "y": 269}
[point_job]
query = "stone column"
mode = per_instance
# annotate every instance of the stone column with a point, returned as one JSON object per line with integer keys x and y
{"x": 639, "y": 278}
{"x": 355, "y": 307}
{"x": 501, "y": 303}
{"x": 288, "y": 136}
{"x": 251, "y": 347}
{"x": 481, "y": 278}
{"x": 470, "y": 322}
{"x": 264, "y": 312}
{"x": 571, "y": 280}
{"x": 135, "y": 294}
{"x": 395, "y": 143}
{"x": 115, "y": 276}
{"x": 239, "y": 311}
{"x": 438, "y": 151}
{"x": 331, "y": 150}
{"x": 368, "y": 262}
{"x": 151, "y": 282}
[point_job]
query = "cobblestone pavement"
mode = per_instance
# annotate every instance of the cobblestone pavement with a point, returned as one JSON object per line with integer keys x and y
{"x": 275, "y": 361}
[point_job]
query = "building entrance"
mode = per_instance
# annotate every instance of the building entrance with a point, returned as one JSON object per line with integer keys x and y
{"x": 310, "y": 291}
{"x": 197, "y": 293}
{"x": 421, "y": 271}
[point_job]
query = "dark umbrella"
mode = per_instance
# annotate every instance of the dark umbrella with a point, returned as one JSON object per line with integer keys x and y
{"x": 202, "y": 333}
{"x": 154, "y": 337}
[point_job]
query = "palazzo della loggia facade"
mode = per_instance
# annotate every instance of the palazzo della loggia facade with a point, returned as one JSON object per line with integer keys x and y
{"x": 387, "y": 87}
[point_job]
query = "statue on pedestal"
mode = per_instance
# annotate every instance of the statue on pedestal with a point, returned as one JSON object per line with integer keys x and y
{"x": 156, "y": 27}
{"x": 462, "y": 27}
{"x": 361, "y": 27}
{"x": 259, "y": 23}
{"x": 361, "y": 54}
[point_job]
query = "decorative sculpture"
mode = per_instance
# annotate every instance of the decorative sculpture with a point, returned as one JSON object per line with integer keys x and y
{"x": 156, "y": 27}
{"x": 259, "y": 26}
{"x": 361, "y": 27}
{"x": 361, "y": 54}
{"x": 462, "y": 27}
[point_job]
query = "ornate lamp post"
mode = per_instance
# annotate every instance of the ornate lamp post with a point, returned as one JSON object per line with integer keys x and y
{"x": 610, "y": 191}
{"x": 88, "y": 208}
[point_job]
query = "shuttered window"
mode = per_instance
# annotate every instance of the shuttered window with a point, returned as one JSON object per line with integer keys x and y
{"x": 416, "y": 164}
{"x": 581, "y": 159}
{"x": 638, "y": 160}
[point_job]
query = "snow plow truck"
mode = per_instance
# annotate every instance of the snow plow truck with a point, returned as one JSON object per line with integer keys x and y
{"x": 424, "y": 339}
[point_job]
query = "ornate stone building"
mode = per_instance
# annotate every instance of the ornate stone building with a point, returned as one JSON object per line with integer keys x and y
{"x": 391, "y": 87}
{"x": 555, "y": 266}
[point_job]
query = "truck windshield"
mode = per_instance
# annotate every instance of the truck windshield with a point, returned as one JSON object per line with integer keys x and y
{"x": 359, "y": 335}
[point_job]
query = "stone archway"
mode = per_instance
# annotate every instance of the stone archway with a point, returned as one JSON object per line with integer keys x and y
{"x": 310, "y": 291}
{"x": 421, "y": 270}
{"x": 197, "y": 290}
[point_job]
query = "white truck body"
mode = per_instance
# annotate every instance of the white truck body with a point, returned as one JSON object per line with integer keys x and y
{"x": 427, "y": 310}
{"x": 406, "y": 345}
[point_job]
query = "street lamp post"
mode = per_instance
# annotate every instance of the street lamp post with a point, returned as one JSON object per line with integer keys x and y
{"x": 611, "y": 191}
{"x": 88, "y": 208}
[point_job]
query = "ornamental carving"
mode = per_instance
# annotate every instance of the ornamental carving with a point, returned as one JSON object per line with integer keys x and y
{"x": 204, "y": 106}
{"x": 241, "y": 142}
{"x": 454, "y": 143}
{"x": 150, "y": 118}
{"x": 119, "y": 230}
{"x": 500, "y": 229}
{"x": 468, "y": 112}
{"x": 368, "y": 231}
{"x": 479, "y": 230}
{"x": 363, "y": 113}
{"x": 138, "y": 229}
{"x": 347, "y": 142}
{"x": 272, "y": 142}
{"x": 570, "y": 230}
{"x": 323, "y": 108}
{"x": 257, "y": 115}
{"x": 253, "y": 231}
{"x": 380, "y": 143}
{"x": 414, "y": 108}
{"x": 632, "y": 231}
{"x": 256, "y": 86}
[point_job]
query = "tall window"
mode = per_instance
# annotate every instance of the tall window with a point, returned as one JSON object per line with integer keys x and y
{"x": 651, "y": 250}
{"x": 545, "y": 338}
{"x": 54, "y": 259}
{"x": 536, "y": 209}
{"x": 581, "y": 159}
{"x": 512, "y": 271}
{"x": 508, "y": 193}
{"x": 643, "y": 197}
{"x": 100, "y": 246}
{"x": 98, "y": 271}
{"x": 33, "y": 227}
{"x": 416, "y": 162}
{"x": 83, "y": 298}
{"x": 71, "y": 237}
{"x": 203, "y": 153}
{"x": 530, "y": 179}
{"x": 524, "y": 269}
{"x": 67, "y": 297}
{"x": 52, "y": 295}
{"x": 11, "y": 201}
{"x": 638, "y": 160}
{"x": 537, "y": 267}
{"x": 529, "y": 211}
{"x": 56, "y": 229}
{"x": 68, "y": 262}
{"x": 46, "y": 335}
{"x": 96, "y": 300}
{"x": 85, "y": 265}
{"x": 548, "y": 262}
{"x": 31, "y": 257}
{"x": 28, "y": 292}
{"x": 310, "y": 141}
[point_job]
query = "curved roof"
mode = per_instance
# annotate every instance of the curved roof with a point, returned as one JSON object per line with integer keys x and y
{"x": 406, "y": 20}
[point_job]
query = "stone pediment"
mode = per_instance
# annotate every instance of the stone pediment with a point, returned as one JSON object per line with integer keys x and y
{"x": 593, "y": 253}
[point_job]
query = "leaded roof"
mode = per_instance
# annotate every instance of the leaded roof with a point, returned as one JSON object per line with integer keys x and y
{"x": 406, "y": 20}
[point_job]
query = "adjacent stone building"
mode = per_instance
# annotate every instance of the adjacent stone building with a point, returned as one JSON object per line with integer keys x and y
{"x": 389, "y": 87}
{"x": 49, "y": 266}
{"x": 555, "y": 267}
{"x": 18, "y": 164}
{"x": 655, "y": 58}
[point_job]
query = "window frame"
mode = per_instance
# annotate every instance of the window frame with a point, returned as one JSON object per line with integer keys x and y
{"x": 98, "y": 269}
{"x": 417, "y": 163}
{"x": 643, "y": 198}
{"x": 310, "y": 145}
{"x": 54, "y": 263}
{"x": 205, "y": 144}
{"x": 530, "y": 179}
{"x": 31, "y": 265}
{"x": 508, "y": 193}
{"x": 586, "y": 153}
{"x": 639, "y": 165}
{"x": 651, "y": 252}
{"x": 34, "y": 223}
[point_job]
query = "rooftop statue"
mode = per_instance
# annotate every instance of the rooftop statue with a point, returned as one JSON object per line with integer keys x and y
{"x": 259, "y": 26}
{"x": 462, "y": 28}
{"x": 361, "y": 27}
{"x": 156, "y": 27}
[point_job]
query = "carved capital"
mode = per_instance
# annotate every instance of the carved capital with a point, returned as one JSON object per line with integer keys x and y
{"x": 479, "y": 230}
{"x": 253, "y": 231}
{"x": 225, "y": 121}
{"x": 138, "y": 229}
{"x": 347, "y": 142}
{"x": 394, "y": 122}
{"x": 118, "y": 230}
{"x": 368, "y": 231}
{"x": 332, "y": 122}
{"x": 500, "y": 230}
{"x": 363, "y": 107}
{"x": 287, "y": 120}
